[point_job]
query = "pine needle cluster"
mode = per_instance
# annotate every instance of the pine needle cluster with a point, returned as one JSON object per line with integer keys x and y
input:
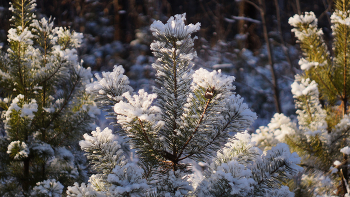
{"x": 44, "y": 108}
{"x": 321, "y": 95}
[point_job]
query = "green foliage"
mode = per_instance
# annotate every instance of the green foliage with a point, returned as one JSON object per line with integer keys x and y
{"x": 321, "y": 95}
{"x": 44, "y": 108}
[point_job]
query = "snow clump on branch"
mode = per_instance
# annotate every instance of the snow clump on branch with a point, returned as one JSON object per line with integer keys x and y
{"x": 175, "y": 27}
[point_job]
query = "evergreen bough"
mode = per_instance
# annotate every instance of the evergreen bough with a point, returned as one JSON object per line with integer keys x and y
{"x": 321, "y": 96}
{"x": 164, "y": 135}
{"x": 44, "y": 108}
{"x": 186, "y": 121}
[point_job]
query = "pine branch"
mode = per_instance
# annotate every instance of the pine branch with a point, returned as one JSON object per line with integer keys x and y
{"x": 144, "y": 133}
{"x": 212, "y": 140}
{"x": 196, "y": 129}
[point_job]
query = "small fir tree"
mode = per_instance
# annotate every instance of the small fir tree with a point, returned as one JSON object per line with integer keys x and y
{"x": 188, "y": 119}
{"x": 321, "y": 96}
{"x": 44, "y": 107}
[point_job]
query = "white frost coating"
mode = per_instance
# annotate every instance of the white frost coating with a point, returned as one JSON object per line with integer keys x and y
{"x": 336, "y": 163}
{"x": 281, "y": 192}
{"x": 345, "y": 150}
{"x": 94, "y": 111}
{"x": 344, "y": 123}
{"x": 175, "y": 26}
{"x": 13, "y": 106}
{"x": 304, "y": 87}
{"x": 98, "y": 182}
{"x": 17, "y": 35}
{"x": 18, "y": 150}
{"x": 43, "y": 25}
{"x": 305, "y": 25}
{"x": 126, "y": 179}
{"x": 291, "y": 158}
{"x": 275, "y": 132}
{"x": 167, "y": 183}
{"x": 83, "y": 73}
{"x": 247, "y": 171}
{"x": 82, "y": 191}
{"x": 237, "y": 176}
{"x": 98, "y": 138}
{"x": 18, "y": 105}
{"x": 74, "y": 38}
{"x": 138, "y": 106}
{"x": 242, "y": 142}
{"x": 340, "y": 17}
{"x": 28, "y": 109}
{"x": 308, "y": 18}
{"x": 311, "y": 116}
{"x": 49, "y": 109}
{"x": 306, "y": 65}
{"x": 239, "y": 111}
{"x": 115, "y": 177}
{"x": 66, "y": 54}
{"x": 103, "y": 145}
{"x": 214, "y": 79}
{"x": 342, "y": 126}
{"x": 43, "y": 149}
{"x": 111, "y": 85}
{"x": 65, "y": 155}
{"x": 323, "y": 184}
{"x": 49, "y": 187}
{"x": 31, "y": 7}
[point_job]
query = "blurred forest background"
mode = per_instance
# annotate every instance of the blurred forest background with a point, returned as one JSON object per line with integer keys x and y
{"x": 250, "y": 40}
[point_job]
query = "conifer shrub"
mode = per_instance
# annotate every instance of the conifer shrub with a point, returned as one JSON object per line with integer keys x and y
{"x": 321, "y": 93}
{"x": 44, "y": 108}
{"x": 193, "y": 118}
{"x": 188, "y": 119}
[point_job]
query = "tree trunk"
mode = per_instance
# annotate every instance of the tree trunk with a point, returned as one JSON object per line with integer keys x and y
{"x": 269, "y": 52}
{"x": 26, "y": 182}
{"x": 297, "y": 2}
{"x": 284, "y": 47}
{"x": 116, "y": 20}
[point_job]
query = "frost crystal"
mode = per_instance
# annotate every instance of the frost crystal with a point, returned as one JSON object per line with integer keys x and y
{"x": 127, "y": 179}
{"x": 306, "y": 65}
{"x": 340, "y": 17}
{"x": 308, "y": 18}
{"x": 345, "y": 150}
{"x": 213, "y": 80}
{"x": 275, "y": 132}
{"x": 242, "y": 169}
{"x": 138, "y": 106}
{"x": 82, "y": 191}
{"x": 49, "y": 187}
{"x": 18, "y": 150}
{"x": 311, "y": 116}
{"x": 305, "y": 25}
{"x": 175, "y": 27}
{"x": 28, "y": 109}
{"x": 304, "y": 88}
{"x": 103, "y": 149}
{"x": 109, "y": 88}
{"x": 25, "y": 36}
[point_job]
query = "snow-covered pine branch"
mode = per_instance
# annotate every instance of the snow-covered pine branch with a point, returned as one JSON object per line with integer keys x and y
{"x": 188, "y": 118}
{"x": 192, "y": 112}
{"x": 321, "y": 96}
{"x": 114, "y": 174}
{"x": 242, "y": 169}
{"x": 44, "y": 108}
{"x": 109, "y": 88}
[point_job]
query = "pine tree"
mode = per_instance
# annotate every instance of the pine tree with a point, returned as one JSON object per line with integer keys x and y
{"x": 188, "y": 119}
{"x": 321, "y": 95}
{"x": 44, "y": 108}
